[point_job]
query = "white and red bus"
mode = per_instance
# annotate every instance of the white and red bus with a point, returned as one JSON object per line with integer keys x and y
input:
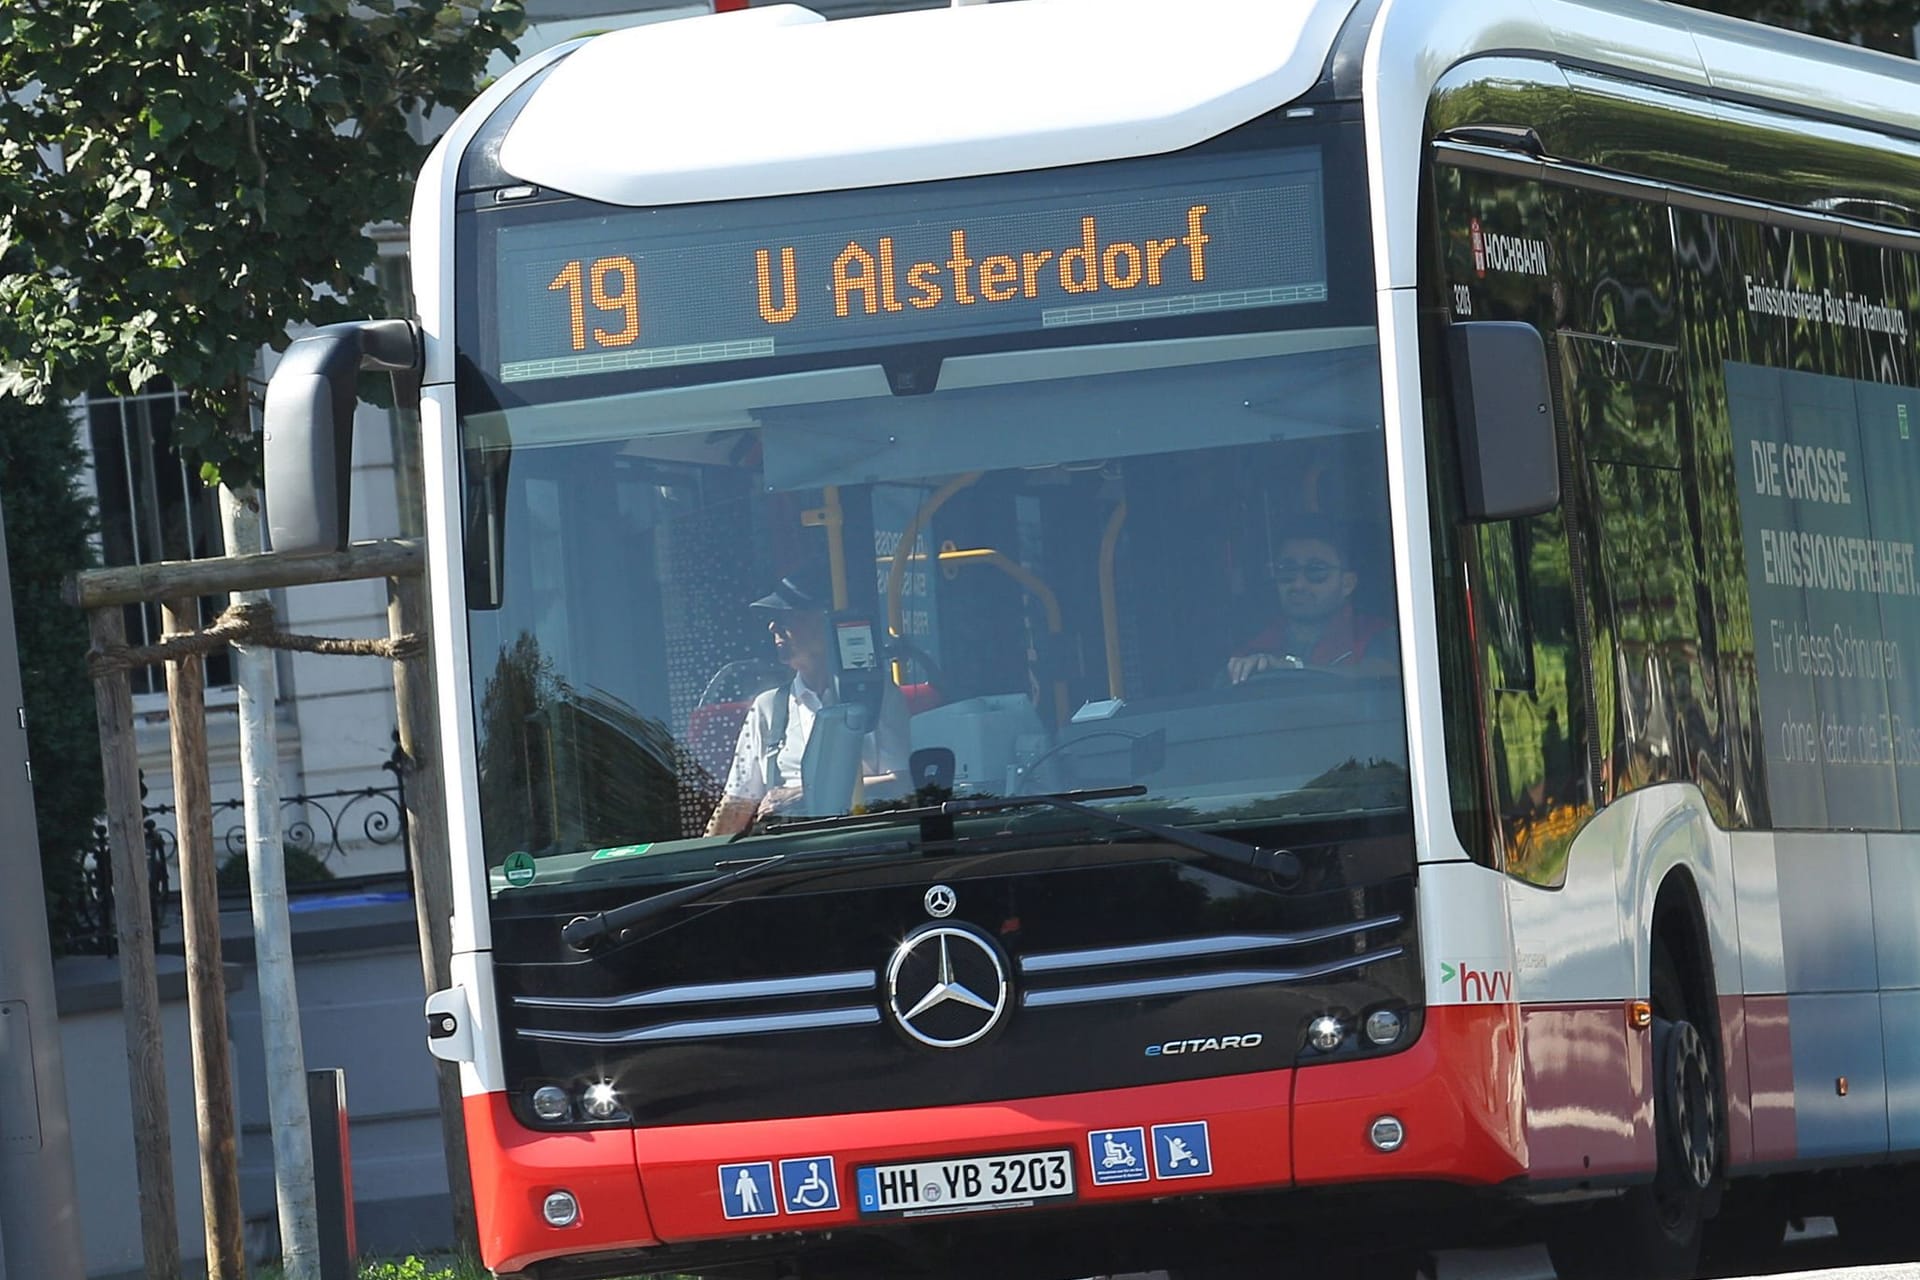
{"x": 1088, "y": 634}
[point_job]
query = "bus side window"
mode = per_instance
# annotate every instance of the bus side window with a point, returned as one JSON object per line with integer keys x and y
{"x": 1537, "y": 719}
{"x": 1504, "y": 549}
{"x": 1669, "y": 724}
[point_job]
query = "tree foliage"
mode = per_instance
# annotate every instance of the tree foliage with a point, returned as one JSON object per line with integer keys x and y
{"x": 48, "y": 520}
{"x": 1877, "y": 24}
{"x": 181, "y": 180}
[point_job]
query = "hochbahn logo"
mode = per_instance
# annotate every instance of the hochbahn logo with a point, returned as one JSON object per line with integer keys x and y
{"x": 1493, "y": 251}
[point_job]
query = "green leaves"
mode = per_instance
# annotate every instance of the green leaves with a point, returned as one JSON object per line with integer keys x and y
{"x": 168, "y": 116}
{"x": 48, "y": 520}
{"x": 188, "y": 181}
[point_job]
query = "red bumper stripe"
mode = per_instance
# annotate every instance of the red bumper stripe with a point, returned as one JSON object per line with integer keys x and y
{"x": 1457, "y": 1091}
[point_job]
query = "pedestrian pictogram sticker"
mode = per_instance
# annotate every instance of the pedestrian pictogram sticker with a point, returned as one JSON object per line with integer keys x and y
{"x": 1117, "y": 1155}
{"x": 746, "y": 1190}
{"x": 1181, "y": 1150}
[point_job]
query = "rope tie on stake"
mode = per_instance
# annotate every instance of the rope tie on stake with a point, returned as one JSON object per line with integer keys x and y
{"x": 247, "y": 624}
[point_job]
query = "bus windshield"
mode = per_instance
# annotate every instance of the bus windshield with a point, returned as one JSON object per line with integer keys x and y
{"x": 711, "y": 595}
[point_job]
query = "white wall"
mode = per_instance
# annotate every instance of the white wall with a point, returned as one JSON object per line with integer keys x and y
{"x": 100, "y": 1106}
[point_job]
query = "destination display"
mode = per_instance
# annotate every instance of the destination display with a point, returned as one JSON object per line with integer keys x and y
{"x": 681, "y": 285}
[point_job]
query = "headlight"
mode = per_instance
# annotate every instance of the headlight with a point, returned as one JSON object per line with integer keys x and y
{"x": 550, "y": 1103}
{"x": 1383, "y": 1026}
{"x": 1325, "y": 1033}
{"x": 598, "y": 1101}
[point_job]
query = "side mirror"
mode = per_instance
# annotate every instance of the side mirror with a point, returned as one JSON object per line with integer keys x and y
{"x": 1503, "y": 410}
{"x": 308, "y": 427}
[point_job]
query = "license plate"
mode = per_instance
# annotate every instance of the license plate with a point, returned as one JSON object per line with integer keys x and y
{"x": 969, "y": 1185}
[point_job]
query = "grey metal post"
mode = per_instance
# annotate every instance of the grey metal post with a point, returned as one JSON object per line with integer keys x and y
{"x": 285, "y": 1056}
{"x": 39, "y": 1202}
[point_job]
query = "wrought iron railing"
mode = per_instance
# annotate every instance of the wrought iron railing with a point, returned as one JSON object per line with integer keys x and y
{"x": 89, "y": 922}
{"x": 320, "y": 825}
{"x": 319, "y": 831}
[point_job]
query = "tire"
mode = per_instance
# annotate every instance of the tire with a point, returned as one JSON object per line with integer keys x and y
{"x": 1745, "y": 1237}
{"x": 1656, "y": 1231}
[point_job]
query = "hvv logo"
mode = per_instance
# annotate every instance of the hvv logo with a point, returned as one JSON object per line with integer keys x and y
{"x": 1477, "y": 982}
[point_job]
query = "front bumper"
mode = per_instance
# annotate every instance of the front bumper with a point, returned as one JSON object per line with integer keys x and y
{"x": 658, "y": 1191}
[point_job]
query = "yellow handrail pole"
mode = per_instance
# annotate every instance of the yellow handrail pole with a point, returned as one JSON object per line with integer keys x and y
{"x": 830, "y": 516}
{"x": 909, "y": 537}
{"x": 836, "y": 547}
{"x": 1109, "y": 601}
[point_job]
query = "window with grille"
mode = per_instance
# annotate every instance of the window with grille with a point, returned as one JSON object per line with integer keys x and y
{"x": 153, "y": 507}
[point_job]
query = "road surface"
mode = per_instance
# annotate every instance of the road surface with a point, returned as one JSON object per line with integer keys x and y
{"x": 1811, "y": 1254}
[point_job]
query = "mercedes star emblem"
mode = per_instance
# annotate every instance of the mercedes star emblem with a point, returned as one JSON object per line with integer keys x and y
{"x": 946, "y": 986}
{"x": 940, "y": 902}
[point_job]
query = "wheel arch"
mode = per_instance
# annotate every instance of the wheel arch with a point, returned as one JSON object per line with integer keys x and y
{"x": 1679, "y": 927}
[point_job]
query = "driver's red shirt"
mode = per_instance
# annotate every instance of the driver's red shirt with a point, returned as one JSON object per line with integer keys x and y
{"x": 1347, "y": 637}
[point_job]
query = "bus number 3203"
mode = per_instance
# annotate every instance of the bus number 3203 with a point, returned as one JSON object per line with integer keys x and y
{"x": 1026, "y": 1177}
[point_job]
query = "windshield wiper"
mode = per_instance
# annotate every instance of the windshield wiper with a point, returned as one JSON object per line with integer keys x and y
{"x": 1282, "y": 864}
{"x": 581, "y": 933}
{"x": 937, "y": 825}
{"x": 939, "y": 809}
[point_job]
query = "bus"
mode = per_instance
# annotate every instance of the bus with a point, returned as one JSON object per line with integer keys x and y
{"x": 1083, "y": 635}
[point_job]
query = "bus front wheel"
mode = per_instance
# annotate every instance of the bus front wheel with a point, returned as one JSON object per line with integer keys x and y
{"x": 1655, "y": 1230}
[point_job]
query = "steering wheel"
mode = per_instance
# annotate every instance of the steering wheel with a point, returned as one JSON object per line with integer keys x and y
{"x": 1268, "y": 677}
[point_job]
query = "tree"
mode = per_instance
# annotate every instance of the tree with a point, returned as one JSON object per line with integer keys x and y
{"x": 1877, "y": 24}
{"x": 48, "y": 520}
{"x": 182, "y": 180}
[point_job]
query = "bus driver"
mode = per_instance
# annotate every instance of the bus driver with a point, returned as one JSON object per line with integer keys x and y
{"x": 765, "y": 777}
{"x": 1317, "y": 625}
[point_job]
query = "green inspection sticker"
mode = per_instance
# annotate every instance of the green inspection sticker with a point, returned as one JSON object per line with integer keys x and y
{"x": 519, "y": 869}
{"x": 624, "y": 851}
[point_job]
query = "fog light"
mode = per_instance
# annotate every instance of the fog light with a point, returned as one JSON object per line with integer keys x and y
{"x": 1383, "y": 1026}
{"x": 550, "y": 1102}
{"x": 1387, "y": 1134}
{"x": 1325, "y": 1033}
{"x": 560, "y": 1209}
{"x": 599, "y": 1101}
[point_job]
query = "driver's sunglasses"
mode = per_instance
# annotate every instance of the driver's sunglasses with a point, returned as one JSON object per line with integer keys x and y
{"x": 1314, "y": 571}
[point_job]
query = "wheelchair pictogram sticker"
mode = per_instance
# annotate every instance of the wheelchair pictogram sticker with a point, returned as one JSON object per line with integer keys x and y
{"x": 807, "y": 1185}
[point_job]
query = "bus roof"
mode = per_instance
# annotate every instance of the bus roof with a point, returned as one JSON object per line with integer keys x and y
{"x": 712, "y": 107}
{"x": 771, "y": 101}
